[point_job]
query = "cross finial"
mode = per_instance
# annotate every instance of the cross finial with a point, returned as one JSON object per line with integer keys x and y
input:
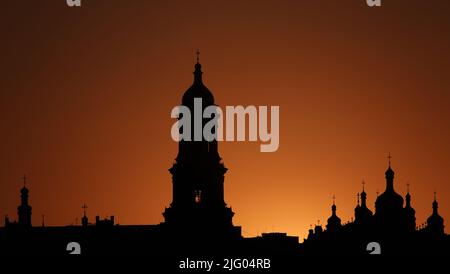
{"x": 84, "y": 207}
{"x": 407, "y": 187}
{"x": 198, "y": 55}
{"x": 24, "y": 178}
{"x": 435, "y": 195}
{"x": 334, "y": 199}
{"x": 363, "y": 184}
{"x": 389, "y": 157}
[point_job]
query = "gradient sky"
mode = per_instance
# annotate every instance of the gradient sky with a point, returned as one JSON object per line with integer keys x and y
{"x": 86, "y": 95}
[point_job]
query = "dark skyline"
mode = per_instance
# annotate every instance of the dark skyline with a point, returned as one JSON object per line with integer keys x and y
{"x": 86, "y": 97}
{"x": 198, "y": 220}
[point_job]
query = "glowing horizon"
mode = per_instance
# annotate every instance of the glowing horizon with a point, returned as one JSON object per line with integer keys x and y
{"x": 87, "y": 94}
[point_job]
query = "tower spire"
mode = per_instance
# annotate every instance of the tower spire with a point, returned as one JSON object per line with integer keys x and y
{"x": 24, "y": 209}
{"x": 84, "y": 219}
{"x": 363, "y": 195}
{"x": 435, "y": 204}
{"x": 389, "y": 176}
{"x": 24, "y": 178}
{"x": 408, "y": 196}
{"x": 198, "y": 69}
{"x": 84, "y": 207}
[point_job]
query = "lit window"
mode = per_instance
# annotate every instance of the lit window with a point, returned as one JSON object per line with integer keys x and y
{"x": 198, "y": 194}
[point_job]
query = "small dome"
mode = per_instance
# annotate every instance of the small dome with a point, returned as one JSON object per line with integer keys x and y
{"x": 334, "y": 219}
{"x": 198, "y": 90}
{"x": 389, "y": 172}
{"x": 435, "y": 219}
{"x": 24, "y": 190}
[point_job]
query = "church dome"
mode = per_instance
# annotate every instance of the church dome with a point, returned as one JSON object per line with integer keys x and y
{"x": 435, "y": 218}
{"x": 24, "y": 190}
{"x": 389, "y": 172}
{"x": 389, "y": 199}
{"x": 334, "y": 222}
{"x": 198, "y": 90}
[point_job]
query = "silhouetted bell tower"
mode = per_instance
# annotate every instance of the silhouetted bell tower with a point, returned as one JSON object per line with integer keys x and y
{"x": 198, "y": 174}
{"x": 24, "y": 209}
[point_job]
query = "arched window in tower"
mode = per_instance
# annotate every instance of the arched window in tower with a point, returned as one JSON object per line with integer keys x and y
{"x": 197, "y": 196}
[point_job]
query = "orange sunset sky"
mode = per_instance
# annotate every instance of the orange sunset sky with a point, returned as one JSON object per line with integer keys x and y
{"x": 86, "y": 95}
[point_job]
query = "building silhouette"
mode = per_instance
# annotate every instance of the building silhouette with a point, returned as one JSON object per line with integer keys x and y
{"x": 393, "y": 224}
{"x": 198, "y": 222}
{"x": 198, "y": 173}
{"x": 363, "y": 215}
{"x": 23, "y": 210}
{"x": 435, "y": 223}
{"x": 334, "y": 222}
